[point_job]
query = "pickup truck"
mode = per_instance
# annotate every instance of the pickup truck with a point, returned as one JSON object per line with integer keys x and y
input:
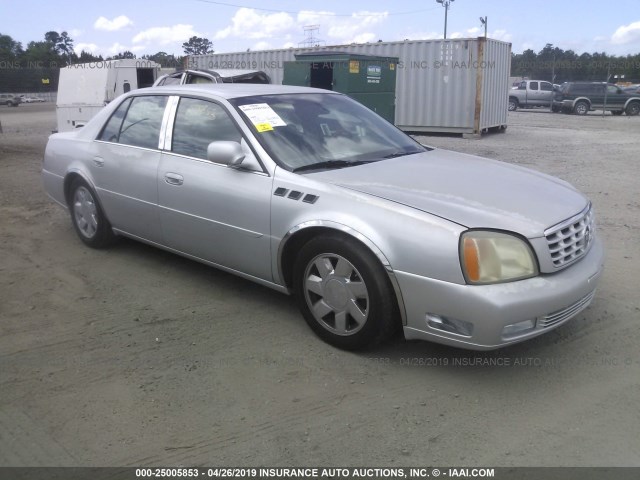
{"x": 531, "y": 93}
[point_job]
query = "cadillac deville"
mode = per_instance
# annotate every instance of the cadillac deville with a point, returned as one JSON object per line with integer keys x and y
{"x": 310, "y": 193}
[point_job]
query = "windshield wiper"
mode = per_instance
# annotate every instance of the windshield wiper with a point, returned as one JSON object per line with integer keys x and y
{"x": 400, "y": 154}
{"x": 331, "y": 164}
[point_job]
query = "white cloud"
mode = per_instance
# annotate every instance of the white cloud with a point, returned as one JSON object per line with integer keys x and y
{"x": 267, "y": 27}
{"x": 75, "y": 32}
{"x": 353, "y": 29}
{"x": 262, "y": 46}
{"x": 247, "y": 23}
{"x": 626, "y": 34}
{"x": 118, "y": 23}
{"x": 166, "y": 35}
{"x": 117, "y": 48}
{"x": 87, "y": 47}
{"x": 475, "y": 32}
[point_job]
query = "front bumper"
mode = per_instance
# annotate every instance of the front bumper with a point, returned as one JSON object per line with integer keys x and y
{"x": 544, "y": 302}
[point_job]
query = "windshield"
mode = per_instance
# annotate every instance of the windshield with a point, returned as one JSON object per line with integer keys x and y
{"x": 314, "y": 130}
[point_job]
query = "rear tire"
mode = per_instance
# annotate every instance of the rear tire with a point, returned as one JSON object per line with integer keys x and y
{"x": 344, "y": 293}
{"x": 513, "y": 104}
{"x": 581, "y": 108}
{"x": 89, "y": 221}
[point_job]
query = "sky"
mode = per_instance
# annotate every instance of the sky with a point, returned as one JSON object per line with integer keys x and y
{"x": 107, "y": 28}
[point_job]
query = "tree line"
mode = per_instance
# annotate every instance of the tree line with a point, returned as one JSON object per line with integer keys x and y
{"x": 35, "y": 68}
{"x": 29, "y": 69}
{"x": 557, "y": 65}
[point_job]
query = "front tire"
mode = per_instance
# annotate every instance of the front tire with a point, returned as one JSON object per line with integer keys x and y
{"x": 89, "y": 221}
{"x": 344, "y": 293}
{"x": 633, "y": 109}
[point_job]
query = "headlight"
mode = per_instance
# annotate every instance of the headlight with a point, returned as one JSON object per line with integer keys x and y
{"x": 494, "y": 257}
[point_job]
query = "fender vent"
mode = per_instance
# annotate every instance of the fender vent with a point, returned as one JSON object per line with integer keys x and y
{"x": 296, "y": 195}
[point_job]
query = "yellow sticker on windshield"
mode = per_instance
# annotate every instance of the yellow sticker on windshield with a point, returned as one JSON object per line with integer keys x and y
{"x": 263, "y": 127}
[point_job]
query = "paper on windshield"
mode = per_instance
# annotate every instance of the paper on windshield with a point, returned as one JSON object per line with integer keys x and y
{"x": 263, "y": 117}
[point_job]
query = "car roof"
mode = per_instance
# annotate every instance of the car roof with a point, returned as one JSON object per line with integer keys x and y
{"x": 229, "y": 90}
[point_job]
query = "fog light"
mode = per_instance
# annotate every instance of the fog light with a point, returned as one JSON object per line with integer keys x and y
{"x": 451, "y": 325}
{"x": 518, "y": 328}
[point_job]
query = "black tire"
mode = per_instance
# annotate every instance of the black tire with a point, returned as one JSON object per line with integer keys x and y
{"x": 513, "y": 104}
{"x": 87, "y": 216}
{"x": 555, "y": 108}
{"x": 344, "y": 293}
{"x": 633, "y": 109}
{"x": 616, "y": 112}
{"x": 581, "y": 108}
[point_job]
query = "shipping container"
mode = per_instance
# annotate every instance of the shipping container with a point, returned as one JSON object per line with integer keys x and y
{"x": 454, "y": 85}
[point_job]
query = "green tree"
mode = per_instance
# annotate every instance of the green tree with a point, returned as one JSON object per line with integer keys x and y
{"x": 122, "y": 55}
{"x": 197, "y": 46}
{"x": 9, "y": 48}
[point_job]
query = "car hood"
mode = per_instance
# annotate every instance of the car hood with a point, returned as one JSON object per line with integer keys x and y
{"x": 472, "y": 191}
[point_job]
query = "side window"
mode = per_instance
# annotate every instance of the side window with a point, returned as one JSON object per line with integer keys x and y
{"x": 197, "y": 79}
{"x": 141, "y": 125}
{"x": 612, "y": 89}
{"x": 136, "y": 122}
{"x": 111, "y": 130}
{"x": 197, "y": 124}
{"x": 172, "y": 80}
{"x": 547, "y": 87}
{"x": 522, "y": 86}
{"x": 533, "y": 86}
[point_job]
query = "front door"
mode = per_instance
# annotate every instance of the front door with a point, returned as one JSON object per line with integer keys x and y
{"x": 211, "y": 211}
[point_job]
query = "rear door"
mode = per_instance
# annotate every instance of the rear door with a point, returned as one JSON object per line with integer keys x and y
{"x": 546, "y": 93}
{"x": 125, "y": 167}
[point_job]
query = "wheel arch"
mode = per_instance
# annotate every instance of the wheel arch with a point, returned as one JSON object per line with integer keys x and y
{"x": 69, "y": 178}
{"x": 581, "y": 99}
{"x": 296, "y": 237}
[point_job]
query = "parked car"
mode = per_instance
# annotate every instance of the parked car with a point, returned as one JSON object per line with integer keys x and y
{"x": 9, "y": 100}
{"x": 188, "y": 77}
{"x": 308, "y": 192}
{"x": 581, "y": 97}
{"x": 531, "y": 93}
{"x": 32, "y": 99}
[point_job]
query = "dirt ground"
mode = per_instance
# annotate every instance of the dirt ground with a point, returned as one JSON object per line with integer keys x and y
{"x": 136, "y": 357}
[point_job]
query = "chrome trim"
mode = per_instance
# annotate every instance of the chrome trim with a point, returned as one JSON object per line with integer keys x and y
{"x": 565, "y": 248}
{"x": 353, "y": 233}
{"x": 171, "y": 117}
{"x": 566, "y": 313}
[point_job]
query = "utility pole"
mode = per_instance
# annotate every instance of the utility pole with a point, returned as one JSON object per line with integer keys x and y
{"x": 483, "y": 21}
{"x": 445, "y": 4}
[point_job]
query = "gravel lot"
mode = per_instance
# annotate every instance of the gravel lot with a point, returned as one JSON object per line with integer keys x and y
{"x": 133, "y": 356}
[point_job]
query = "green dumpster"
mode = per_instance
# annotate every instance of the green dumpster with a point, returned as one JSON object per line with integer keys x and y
{"x": 368, "y": 79}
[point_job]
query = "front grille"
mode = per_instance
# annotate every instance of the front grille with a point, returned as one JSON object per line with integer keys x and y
{"x": 571, "y": 239}
{"x": 565, "y": 313}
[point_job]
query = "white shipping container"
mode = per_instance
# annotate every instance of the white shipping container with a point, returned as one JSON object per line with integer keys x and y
{"x": 456, "y": 85}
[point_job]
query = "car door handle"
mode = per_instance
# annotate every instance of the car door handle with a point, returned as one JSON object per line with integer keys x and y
{"x": 99, "y": 161}
{"x": 173, "y": 178}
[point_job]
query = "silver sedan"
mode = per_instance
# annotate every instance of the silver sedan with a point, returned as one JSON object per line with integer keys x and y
{"x": 308, "y": 192}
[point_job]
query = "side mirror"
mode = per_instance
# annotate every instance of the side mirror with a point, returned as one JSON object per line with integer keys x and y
{"x": 226, "y": 153}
